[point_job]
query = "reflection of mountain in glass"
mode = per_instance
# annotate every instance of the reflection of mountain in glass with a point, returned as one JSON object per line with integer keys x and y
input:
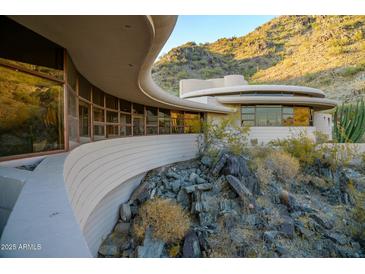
{"x": 31, "y": 118}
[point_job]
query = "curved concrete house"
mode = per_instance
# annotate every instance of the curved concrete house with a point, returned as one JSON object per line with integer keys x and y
{"x": 271, "y": 111}
{"x": 80, "y": 112}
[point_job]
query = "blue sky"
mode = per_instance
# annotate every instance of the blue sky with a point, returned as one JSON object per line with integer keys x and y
{"x": 209, "y": 28}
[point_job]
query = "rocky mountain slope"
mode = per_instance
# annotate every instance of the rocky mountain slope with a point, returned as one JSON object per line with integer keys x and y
{"x": 326, "y": 52}
{"x": 230, "y": 213}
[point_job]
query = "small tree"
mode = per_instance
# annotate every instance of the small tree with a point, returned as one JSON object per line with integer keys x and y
{"x": 224, "y": 135}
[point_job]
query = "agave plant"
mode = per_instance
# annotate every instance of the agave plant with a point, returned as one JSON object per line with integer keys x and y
{"x": 349, "y": 122}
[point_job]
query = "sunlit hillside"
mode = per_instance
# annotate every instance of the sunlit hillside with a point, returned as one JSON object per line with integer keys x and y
{"x": 326, "y": 52}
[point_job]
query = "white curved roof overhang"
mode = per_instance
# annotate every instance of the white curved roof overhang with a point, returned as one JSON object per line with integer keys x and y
{"x": 116, "y": 53}
{"x": 316, "y": 103}
{"x": 255, "y": 88}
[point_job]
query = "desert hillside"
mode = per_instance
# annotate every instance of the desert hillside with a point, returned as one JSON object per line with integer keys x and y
{"x": 326, "y": 52}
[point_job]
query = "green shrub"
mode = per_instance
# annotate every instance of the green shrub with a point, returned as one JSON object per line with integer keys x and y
{"x": 350, "y": 71}
{"x": 300, "y": 146}
{"x": 224, "y": 134}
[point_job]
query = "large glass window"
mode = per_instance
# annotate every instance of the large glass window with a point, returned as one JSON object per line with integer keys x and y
{"x": 112, "y": 131}
{"x": 276, "y": 116}
{"x": 98, "y": 114}
{"x": 98, "y": 97}
{"x": 31, "y": 113}
{"x": 192, "y": 122}
{"x": 125, "y": 125}
{"x": 72, "y": 117}
{"x": 84, "y": 119}
{"x": 138, "y": 119}
{"x": 112, "y": 116}
{"x": 248, "y": 115}
{"x": 84, "y": 88}
{"x": 111, "y": 102}
{"x": 125, "y": 106}
{"x": 177, "y": 121}
{"x": 71, "y": 74}
{"x": 138, "y": 126}
{"x": 302, "y": 116}
{"x": 268, "y": 116}
{"x": 288, "y": 116}
{"x": 151, "y": 121}
{"x": 164, "y": 121}
{"x": 99, "y": 132}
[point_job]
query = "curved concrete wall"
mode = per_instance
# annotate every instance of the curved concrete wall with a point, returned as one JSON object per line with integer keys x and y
{"x": 98, "y": 176}
{"x": 106, "y": 214}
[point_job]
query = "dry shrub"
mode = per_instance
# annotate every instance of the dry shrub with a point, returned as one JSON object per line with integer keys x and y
{"x": 300, "y": 146}
{"x": 314, "y": 181}
{"x": 166, "y": 218}
{"x": 284, "y": 166}
{"x": 264, "y": 175}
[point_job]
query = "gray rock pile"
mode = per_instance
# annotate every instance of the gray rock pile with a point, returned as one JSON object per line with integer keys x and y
{"x": 234, "y": 215}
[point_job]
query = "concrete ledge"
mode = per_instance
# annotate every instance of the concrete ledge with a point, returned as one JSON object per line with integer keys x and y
{"x": 42, "y": 222}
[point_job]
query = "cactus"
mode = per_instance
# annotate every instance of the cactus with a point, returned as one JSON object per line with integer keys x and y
{"x": 349, "y": 122}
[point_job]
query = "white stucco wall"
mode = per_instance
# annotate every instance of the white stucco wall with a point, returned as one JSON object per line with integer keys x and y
{"x": 323, "y": 123}
{"x": 267, "y": 134}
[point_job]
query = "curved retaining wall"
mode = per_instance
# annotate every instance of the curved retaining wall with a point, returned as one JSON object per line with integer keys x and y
{"x": 106, "y": 214}
{"x": 100, "y": 176}
{"x": 70, "y": 202}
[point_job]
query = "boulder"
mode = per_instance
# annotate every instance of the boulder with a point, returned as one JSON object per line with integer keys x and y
{"x": 270, "y": 236}
{"x": 206, "y": 219}
{"x": 109, "y": 250}
{"x": 113, "y": 244}
{"x": 239, "y": 188}
{"x": 204, "y": 187}
{"x": 191, "y": 247}
{"x": 302, "y": 231}
{"x": 172, "y": 174}
{"x": 252, "y": 184}
{"x": 200, "y": 180}
{"x": 282, "y": 251}
{"x": 141, "y": 193}
{"x": 216, "y": 169}
{"x": 232, "y": 166}
{"x": 183, "y": 198}
{"x": 338, "y": 238}
{"x": 192, "y": 177}
{"x": 286, "y": 228}
{"x": 322, "y": 221}
{"x": 125, "y": 212}
{"x": 201, "y": 187}
{"x": 225, "y": 206}
{"x": 122, "y": 228}
{"x": 207, "y": 161}
{"x": 152, "y": 248}
{"x": 175, "y": 185}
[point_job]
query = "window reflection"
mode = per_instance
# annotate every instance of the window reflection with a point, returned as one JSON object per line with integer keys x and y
{"x": 276, "y": 116}
{"x": 164, "y": 121}
{"x": 31, "y": 113}
{"x": 84, "y": 119}
{"x": 192, "y": 122}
